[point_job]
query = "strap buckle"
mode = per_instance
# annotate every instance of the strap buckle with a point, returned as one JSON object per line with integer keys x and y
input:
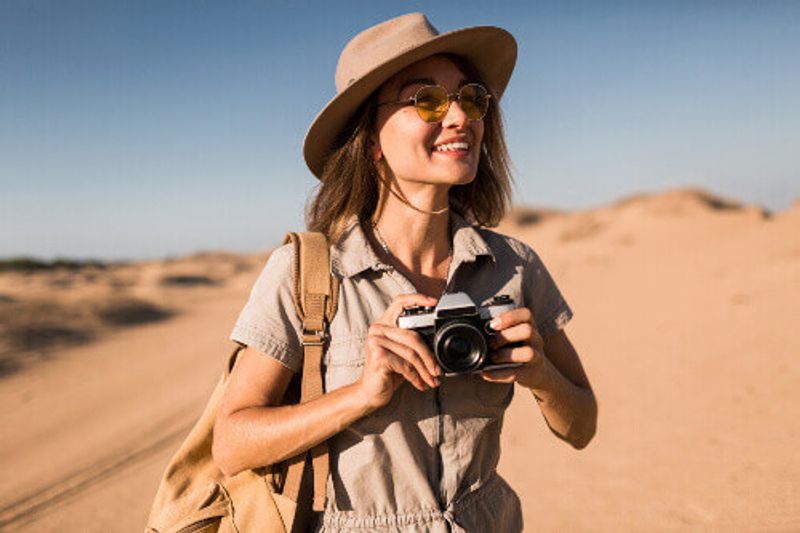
{"x": 315, "y": 337}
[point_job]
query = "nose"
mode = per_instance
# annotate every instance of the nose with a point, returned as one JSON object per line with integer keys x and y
{"x": 455, "y": 117}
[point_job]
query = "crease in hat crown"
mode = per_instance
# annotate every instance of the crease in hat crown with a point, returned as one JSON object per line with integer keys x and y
{"x": 377, "y": 53}
{"x": 369, "y": 48}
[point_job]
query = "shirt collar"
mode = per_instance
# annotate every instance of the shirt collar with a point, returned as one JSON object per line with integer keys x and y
{"x": 352, "y": 253}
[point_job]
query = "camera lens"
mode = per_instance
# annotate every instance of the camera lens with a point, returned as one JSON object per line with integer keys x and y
{"x": 459, "y": 346}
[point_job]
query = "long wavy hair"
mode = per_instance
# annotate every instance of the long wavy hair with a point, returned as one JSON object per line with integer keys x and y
{"x": 350, "y": 183}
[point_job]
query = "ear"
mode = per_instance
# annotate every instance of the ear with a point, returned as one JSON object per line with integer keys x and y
{"x": 375, "y": 147}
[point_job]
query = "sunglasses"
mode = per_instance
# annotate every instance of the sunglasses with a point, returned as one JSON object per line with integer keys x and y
{"x": 432, "y": 102}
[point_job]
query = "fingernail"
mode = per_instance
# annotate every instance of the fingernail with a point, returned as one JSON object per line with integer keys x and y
{"x": 495, "y": 323}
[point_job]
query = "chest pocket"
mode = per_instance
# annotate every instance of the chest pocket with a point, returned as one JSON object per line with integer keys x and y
{"x": 343, "y": 361}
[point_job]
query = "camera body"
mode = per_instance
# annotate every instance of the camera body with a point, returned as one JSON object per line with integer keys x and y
{"x": 457, "y": 331}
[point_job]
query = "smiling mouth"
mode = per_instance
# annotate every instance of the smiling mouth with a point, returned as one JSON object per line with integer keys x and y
{"x": 452, "y": 147}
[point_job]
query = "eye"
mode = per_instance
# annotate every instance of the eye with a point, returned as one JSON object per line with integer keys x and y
{"x": 409, "y": 91}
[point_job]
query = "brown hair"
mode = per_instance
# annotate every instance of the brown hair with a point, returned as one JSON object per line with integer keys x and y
{"x": 349, "y": 182}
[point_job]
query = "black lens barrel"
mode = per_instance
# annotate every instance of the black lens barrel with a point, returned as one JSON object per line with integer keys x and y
{"x": 460, "y": 346}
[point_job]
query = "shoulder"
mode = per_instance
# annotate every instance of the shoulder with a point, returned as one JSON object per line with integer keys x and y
{"x": 269, "y": 321}
{"x": 275, "y": 279}
{"x": 281, "y": 258}
{"x": 507, "y": 248}
{"x": 540, "y": 292}
{"x": 279, "y": 264}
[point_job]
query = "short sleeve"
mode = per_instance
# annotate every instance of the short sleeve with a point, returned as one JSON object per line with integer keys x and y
{"x": 269, "y": 322}
{"x": 550, "y": 311}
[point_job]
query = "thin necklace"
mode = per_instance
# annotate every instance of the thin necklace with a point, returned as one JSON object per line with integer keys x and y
{"x": 402, "y": 197}
{"x": 381, "y": 241}
{"x": 387, "y": 251}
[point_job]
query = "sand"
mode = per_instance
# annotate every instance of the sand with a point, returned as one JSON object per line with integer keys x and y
{"x": 685, "y": 319}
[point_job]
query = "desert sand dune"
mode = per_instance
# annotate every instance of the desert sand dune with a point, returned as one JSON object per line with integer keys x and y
{"x": 685, "y": 318}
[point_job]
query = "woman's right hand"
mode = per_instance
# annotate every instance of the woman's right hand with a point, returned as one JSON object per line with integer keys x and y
{"x": 393, "y": 354}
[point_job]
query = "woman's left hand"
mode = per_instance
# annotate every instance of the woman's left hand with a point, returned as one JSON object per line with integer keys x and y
{"x": 517, "y": 341}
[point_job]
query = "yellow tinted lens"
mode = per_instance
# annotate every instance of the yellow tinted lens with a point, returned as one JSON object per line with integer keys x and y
{"x": 474, "y": 100}
{"x": 431, "y": 103}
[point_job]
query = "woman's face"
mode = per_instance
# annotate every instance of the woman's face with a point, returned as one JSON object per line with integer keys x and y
{"x": 415, "y": 150}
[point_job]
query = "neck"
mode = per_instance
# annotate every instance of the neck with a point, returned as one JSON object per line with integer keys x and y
{"x": 418, "y": 237}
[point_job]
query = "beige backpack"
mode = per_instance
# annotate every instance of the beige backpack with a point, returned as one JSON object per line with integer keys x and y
{"x": 195, "y": 496}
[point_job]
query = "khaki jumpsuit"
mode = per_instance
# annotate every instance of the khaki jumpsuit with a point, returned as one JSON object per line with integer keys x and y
{"x": 426, "y": 461}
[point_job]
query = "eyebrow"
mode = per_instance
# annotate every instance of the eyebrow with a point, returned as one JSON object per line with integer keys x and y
{"x": 415, "y": 81}
{"x": 425, "y": 81}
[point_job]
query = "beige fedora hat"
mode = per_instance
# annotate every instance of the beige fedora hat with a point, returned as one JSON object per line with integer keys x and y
{"x": 377, "y": 53}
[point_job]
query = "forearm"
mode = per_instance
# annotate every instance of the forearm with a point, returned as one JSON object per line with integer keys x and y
{"x": 260, "y": 436}
{"x": 569, "y": 409}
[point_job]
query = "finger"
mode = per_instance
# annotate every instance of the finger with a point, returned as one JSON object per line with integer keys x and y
{"x": 415, "y": 342}
{"x": 511, "y": 318}
{"x": 503, "y": 375}
{"x": 404, "y": 352}
{"x": 410, "y": 300}
{"x": 398, "y": 365}
{"x": 518, "y": 333}
{"x": 394, "y": 310}
{"x": 517, "y": 354}
{"x": 410, "y": 356}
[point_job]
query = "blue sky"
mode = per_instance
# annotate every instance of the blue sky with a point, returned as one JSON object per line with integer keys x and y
{"x": 153, "y": 128}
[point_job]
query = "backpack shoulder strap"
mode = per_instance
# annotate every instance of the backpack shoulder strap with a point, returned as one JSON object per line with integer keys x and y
{"x": 315, "y": 289}
{"x": 316, "y": 296}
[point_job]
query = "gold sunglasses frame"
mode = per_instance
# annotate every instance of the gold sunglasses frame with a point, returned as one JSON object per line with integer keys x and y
{"x": 451, "y": 97}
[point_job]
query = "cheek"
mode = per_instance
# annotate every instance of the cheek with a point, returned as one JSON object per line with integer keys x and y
{"x": 478, "y": 132}
{"x": 399, "y": 139}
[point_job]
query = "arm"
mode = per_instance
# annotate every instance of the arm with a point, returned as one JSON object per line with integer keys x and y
{"x": 563, "y": 392}
{"x": 252, "y": 429}
{"x": 552, "y": 371}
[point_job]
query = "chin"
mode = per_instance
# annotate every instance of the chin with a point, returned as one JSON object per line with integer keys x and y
{"x": 462, "y": 178}
{"x": 456, "y": 174}
{"x": 450, "y": 176}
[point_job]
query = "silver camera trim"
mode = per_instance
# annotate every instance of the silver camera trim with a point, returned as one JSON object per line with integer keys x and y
{"x": 450, "y": 303}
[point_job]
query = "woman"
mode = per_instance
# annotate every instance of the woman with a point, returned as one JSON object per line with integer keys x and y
{"x": 408, "y": 151}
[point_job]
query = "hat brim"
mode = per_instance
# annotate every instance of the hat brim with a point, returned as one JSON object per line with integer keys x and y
{"x": 491, "y": 50}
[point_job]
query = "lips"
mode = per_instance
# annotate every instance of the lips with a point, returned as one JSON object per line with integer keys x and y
{"x": 456, "y": 146}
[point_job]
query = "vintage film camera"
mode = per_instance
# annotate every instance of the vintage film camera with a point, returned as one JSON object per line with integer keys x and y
{"x": 457, "y": 331}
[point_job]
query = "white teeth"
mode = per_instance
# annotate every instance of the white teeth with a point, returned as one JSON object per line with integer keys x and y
{"x": 449, "y": 147}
